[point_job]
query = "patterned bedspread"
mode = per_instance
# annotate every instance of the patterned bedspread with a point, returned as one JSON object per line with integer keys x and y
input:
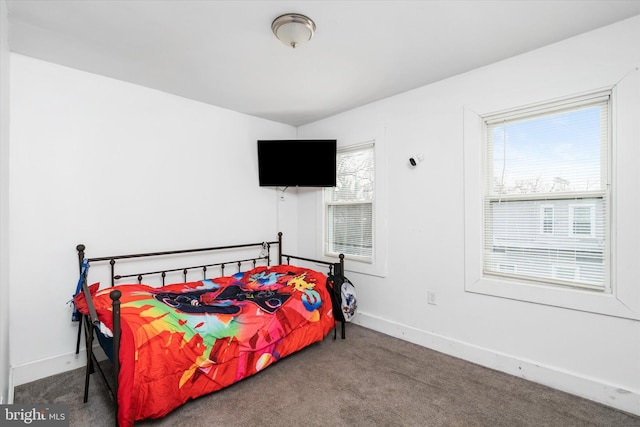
{"x": 186, "y": 340}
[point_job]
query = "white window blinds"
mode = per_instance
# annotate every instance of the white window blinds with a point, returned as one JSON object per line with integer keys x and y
{"x": 546, "y": 217}
{"x": 349, "y": 206}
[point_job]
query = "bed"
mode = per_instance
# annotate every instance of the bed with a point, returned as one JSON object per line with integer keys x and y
{"x": 174, "y": 342}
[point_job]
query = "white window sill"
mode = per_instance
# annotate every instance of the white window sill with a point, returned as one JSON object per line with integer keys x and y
{"x": 574, "y": 299}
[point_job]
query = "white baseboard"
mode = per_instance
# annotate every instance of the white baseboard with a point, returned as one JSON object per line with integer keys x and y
{"x": 559, "y": 379}
{"x": 37, "y": 369}
{"x": 31, "y": 371}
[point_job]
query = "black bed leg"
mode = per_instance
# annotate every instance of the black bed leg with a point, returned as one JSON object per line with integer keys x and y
{"x": 89, "y": 367}
{"x": 344, "y": 335}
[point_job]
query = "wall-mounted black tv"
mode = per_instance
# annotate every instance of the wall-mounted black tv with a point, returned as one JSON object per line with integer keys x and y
{"x": 297, "y": 163}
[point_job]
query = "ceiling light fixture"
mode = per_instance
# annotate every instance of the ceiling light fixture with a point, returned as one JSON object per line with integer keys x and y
{"x": 293, "y": 29}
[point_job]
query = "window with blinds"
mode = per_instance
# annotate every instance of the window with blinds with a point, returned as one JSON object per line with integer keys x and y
{"x": 349, "y": 205}
{"x": 546, "y": 213}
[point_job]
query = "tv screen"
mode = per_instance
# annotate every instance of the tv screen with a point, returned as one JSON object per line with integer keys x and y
{"x": 297, "y": 163}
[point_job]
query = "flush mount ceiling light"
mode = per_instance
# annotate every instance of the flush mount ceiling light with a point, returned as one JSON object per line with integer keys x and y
{"x": 293, "y": 29}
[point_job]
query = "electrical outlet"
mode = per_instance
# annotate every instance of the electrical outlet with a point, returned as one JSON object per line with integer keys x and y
{"x": 431, "y": 297}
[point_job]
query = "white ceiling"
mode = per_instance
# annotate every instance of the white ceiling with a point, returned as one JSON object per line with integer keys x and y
{"x": 224, "y": 53}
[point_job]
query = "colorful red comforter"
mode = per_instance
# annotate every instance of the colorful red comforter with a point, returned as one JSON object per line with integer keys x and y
{"x": 186, "y": 340}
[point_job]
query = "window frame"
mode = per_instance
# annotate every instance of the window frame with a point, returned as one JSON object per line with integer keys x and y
{"x": 378, "y": 266}
{"x": 326, "y": 203}
{"x": 622, "y": 299}
{"x": 490, "y": 196}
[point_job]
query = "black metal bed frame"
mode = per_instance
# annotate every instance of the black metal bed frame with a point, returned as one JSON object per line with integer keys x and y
{"x": 91, "y": 320}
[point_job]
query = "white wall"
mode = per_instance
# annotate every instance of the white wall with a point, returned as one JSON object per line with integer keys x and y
{"x": 580, "y": 351}
{"x": 121, "y": 169}
{"x": 5, "y": 388}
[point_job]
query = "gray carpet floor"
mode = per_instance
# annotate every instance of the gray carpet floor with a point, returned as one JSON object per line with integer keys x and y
{"x": 369, "y": 379}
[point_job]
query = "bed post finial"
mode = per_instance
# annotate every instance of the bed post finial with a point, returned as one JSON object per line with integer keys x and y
{"x": 80, "y": 248}
{"x": 341, "y": 256}
{"x": 279, "y": 247}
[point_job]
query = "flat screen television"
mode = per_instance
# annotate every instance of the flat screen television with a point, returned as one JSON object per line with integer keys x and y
{"x": 297, "y": 163}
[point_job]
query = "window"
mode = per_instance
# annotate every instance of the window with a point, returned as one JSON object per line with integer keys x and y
{"x": 582, "y": 220}
{"x": 546, "y": 219}
{"x": 349, "y": 207}
{"x": 546, "y": 192}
